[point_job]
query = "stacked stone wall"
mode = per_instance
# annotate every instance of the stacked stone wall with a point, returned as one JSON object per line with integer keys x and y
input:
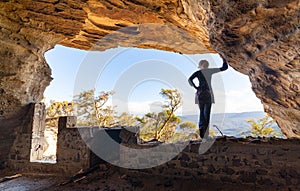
{"x": 254, "y": 162}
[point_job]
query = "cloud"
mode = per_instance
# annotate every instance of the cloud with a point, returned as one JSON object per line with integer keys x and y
{"x": 242, "y": 101}
{"x": 139, "y": 107}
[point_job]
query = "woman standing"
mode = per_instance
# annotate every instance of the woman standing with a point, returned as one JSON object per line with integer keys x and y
{"x": 204, "y": 95}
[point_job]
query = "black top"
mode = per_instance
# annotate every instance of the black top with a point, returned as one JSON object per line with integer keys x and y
{"x": 204, "y": 90}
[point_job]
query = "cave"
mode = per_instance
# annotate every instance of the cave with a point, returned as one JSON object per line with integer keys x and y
{"x": 258, "y": 39}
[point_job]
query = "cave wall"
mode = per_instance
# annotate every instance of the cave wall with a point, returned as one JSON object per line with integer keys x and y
{"x": 24, "y": 73}
{"x": 259, "y": 39}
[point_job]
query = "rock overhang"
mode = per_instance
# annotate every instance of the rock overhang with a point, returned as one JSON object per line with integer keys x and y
{"x": 259, "y": 39}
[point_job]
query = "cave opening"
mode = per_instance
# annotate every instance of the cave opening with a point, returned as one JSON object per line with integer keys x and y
{"x": 75, "y": 71}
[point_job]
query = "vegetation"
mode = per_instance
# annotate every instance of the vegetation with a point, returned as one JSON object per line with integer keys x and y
{"x": 86, "y": 113}
{"x": 105, "y": 115}
{"x": 126, "y": 120}
{"x": 57, "y": 109}
{"x": 262, "y": 127}
{"x": 161, "y": 126}
{"x": 188, "y": 125}
{"x": 94, "y": 111}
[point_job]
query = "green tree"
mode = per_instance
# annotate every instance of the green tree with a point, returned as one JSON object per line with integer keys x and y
{"x": 105, "y": 114}
{"x": 173, "y": 101}
{"x": 57, "y": 109}
{"x": 188, "y": 125}
{"x": 86, "y": 112}
{"x": 151, "y": 126}
{"x": 93, "y": 111}
{"x": 262, "y": 127}
{"x": 179, "y": 136}
{"x": 126, "y": 119}
{"x": 189, "y": 131}
{"x": 161, "y": 126}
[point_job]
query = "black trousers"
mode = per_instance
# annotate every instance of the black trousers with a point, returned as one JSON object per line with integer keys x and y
{"x": 204, "y": 117}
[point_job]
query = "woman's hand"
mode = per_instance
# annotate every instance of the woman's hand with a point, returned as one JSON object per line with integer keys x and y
{"x": 221, "y": 55}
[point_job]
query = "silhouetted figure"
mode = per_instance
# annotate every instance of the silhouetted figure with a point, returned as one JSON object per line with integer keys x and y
{"x": 204, "y": 95}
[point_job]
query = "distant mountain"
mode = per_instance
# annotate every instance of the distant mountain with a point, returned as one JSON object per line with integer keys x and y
{"x": 232, "y": 124}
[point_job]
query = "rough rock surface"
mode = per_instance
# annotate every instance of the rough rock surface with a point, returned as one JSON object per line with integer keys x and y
{"x": 262, "y": 40}
{"x": 259, "y": 38}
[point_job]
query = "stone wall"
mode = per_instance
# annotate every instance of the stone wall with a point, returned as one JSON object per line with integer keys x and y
{"x": 72, "y": 153}
{"x": 253, "y": 162}
{"x": 256, "y": 163}
{"x": 10, "y": 137}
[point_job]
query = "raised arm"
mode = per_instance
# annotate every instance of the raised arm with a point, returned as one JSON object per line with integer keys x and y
{"x": 225, "y": 65}
{"x": 193, "y": 76}
{"x": 223, "y": 68}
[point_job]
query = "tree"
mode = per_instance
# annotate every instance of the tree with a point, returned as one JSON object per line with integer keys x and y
{"x": 179, "y": 136}
{"x": 173, "y": 101}
{"x": 86, "y": 113}
{"x": 105, "y": 114}
{"x": 151, "y": 123}
{"x": 262, "y": 127}
{"x": 57, "y": 109}
{"x": 94, "y": 111}
{"x": 161, "y": 126}
{"x": 167, "y": 128}
{"x": 188, "y": 125}
{"x": 126, "y": 119}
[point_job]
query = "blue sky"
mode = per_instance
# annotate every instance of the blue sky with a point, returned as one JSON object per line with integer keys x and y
{"x": 137, "y": 75}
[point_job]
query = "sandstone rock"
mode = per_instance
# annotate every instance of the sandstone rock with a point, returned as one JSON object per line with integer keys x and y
{"x": 259, "y": 39}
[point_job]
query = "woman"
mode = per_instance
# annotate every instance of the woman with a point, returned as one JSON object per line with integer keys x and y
{"x": 204, "y": 94}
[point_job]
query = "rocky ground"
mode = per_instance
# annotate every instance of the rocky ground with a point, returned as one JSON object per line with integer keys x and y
{"x": 111, "y": 179}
